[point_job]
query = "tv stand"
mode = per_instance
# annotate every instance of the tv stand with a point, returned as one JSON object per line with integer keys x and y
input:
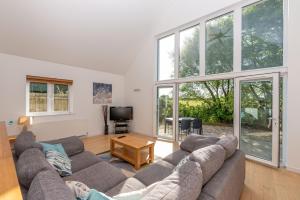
{"x": 121, "y": 127}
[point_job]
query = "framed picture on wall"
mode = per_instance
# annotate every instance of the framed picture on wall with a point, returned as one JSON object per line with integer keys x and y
{"x": 102, "y": 93}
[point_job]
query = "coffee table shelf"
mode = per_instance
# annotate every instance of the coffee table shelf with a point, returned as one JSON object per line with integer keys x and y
{"x": 132, "y": 149}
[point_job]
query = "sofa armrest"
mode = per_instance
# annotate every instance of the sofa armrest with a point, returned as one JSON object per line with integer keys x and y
{"x": 72, "y": 145}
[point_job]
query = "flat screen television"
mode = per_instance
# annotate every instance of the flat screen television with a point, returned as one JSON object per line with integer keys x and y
{"x": 121, "y": 113}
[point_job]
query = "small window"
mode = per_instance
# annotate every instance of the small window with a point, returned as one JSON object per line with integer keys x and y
{"x": 47, "y": 97}
{"x": 166, "y": 57}
{"x": 38, "y": 97}
{"x": 262, "y": 35}
{"x": 219, "y": 44}
{"x": 61, "y": 98}
{"x": 189, "y": 52}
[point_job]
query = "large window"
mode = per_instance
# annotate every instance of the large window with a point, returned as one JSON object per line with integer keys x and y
{"x": 209, "y": 102}
{"x": 221, "y": 75}
{"x": 189, "y": 52}
{"x": 219, "y": 44}
{"x": 262, "y": 35}
{"x": 47, "y": 96}
{"x": 166, "y": 58}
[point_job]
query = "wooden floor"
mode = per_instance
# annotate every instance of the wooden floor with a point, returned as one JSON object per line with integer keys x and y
{"x": 262, "y": 183}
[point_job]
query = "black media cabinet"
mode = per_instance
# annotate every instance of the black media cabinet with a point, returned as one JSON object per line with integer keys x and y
{"x": 121, "y": 127}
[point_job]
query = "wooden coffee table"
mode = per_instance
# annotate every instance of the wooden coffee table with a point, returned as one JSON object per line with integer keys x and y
{"x": 133, "y": 149}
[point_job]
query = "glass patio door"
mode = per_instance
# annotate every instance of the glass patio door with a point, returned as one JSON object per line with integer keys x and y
{"x": 165, "y": 115}
{"x": 258, "y": 117}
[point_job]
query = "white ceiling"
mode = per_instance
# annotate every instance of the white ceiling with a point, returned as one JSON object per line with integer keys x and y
{"x": 98, "y": 34}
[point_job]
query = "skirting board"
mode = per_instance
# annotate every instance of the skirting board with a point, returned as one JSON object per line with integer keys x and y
{"x": 292, "y": 169}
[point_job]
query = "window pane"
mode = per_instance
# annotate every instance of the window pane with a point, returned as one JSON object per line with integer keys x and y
{"x": 38, "y": 97}
{"x": 189, "y": 52}
{"x": 219, "y": 45}
{"x": 165, "y": 111}
{"x": 166, "y": 57}
{"x": 206, "y": 108}
{"x": 262, "y": 35}
{"x": 61, "y": 97}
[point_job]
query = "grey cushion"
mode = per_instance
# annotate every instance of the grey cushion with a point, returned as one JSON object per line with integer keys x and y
{"x": 211, "y": 159}
{"x": 193, "y": 142}
{"x": 229, "y": 143}
{"x": 184, "y": 184}
{"x": 101, "y": 176}
{"x": 25, "y": 140}
{"x": 83, "y": 160}
{"x": 176, "y": 157}
{"x": 72, "y": 145}
{"x": 228, "y": 182}
{"x": 29, "y": 164}
{"x": 48, "y": 185}
{"x": 129, "y": 185}
{"x": 155, "y": 172}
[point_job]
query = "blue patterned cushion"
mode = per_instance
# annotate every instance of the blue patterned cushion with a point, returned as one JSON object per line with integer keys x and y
{"x": 60, "y": 162}
{"x": 53, "y": 147}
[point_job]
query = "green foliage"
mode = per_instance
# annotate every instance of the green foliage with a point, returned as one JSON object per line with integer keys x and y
{"x": 219, "y": 45}
{"x": 262, "y": 35}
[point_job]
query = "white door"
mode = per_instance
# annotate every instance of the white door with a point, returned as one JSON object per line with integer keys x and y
{"x": 257, "y": 117}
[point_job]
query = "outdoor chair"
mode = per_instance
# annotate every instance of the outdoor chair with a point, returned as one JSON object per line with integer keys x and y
{"x": 197, "y": 126}
{"x": 185, "y": 127}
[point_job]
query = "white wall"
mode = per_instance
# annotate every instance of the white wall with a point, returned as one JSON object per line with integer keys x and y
{"x": 293, "y": 105}
{"x": 87, "y": 117}
{"x": 141, "y": 73}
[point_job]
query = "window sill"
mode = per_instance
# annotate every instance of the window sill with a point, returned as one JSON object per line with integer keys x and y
{"x": 49, "y": 114}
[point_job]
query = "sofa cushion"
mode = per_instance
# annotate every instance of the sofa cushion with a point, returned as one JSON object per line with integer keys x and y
{"x": 176, "y": 157}
{"x": 211, "y": 159}
{"x": 83, "y": 160}
{"x": 129, "y": 185}
{"x": 193, "y": 142}
{"x": 100, "y": 176}
{"x": 72, "y": 145}
{"x": 155, "y": 172}
{"x": 47, "y": 185}
{"x": 29, "y": 164}
{"x": 25, "y": 140}
{"x": 183, "y": 184}
{"x": 60, "y": 162}
{"x": 229, "y": 143}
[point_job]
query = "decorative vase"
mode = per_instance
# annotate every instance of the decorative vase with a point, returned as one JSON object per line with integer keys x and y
{"x": 104, "y": 112}
{"x": 106, "y": 129}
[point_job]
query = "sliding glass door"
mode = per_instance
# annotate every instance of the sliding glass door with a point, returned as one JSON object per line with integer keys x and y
{"x": 258, "y": 117}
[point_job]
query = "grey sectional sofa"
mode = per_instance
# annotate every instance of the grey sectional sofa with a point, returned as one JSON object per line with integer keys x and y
{"x": 39, "y": 181}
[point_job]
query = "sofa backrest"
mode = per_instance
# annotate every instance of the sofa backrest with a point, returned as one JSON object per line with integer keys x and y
{"x": 193, "y": 142}
{"x": 210, "y": 158}
{"x": 30, "y": 163}
{"x": 25, "y": 140}
{"x": 48, "y": 185}
{"x": 72, "y": 145}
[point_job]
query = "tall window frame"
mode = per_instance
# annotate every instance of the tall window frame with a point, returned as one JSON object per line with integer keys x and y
{"x": 237, "y": 71}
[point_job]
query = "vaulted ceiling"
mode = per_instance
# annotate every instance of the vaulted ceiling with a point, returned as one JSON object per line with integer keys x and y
{"x": 98, "y": 34}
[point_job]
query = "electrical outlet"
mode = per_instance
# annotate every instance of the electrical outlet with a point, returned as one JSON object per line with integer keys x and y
{"x": 10, "y": 122}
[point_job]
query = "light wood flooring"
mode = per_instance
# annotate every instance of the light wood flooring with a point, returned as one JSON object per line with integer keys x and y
{"x": 262, "y": 182}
